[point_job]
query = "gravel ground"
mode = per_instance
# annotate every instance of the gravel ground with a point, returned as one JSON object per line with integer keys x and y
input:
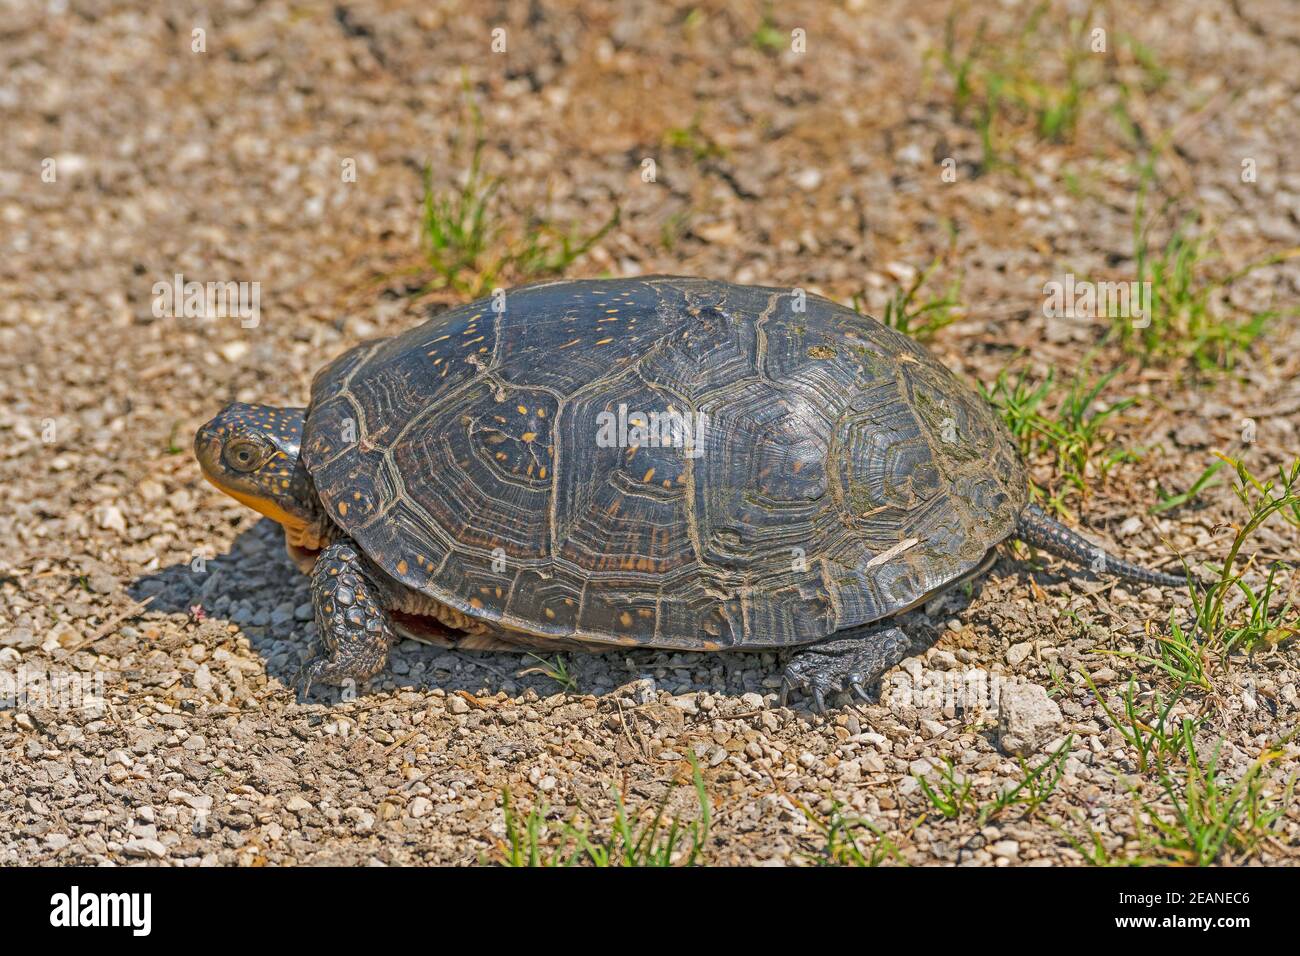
{"x": 818, "y": 169}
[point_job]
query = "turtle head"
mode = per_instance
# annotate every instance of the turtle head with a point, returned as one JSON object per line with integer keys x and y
{"x": 251, "y": 452}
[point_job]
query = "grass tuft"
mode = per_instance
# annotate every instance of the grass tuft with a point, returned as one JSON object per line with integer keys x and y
{"x": 1169, "y": 501}
{"x": 1001, "y": 86}
{"x": 1070, "y": 428}
{"x": 1185, "y": 809}
{"x": 469, "y": 254}
{"x": 557, "y": 669}
{"x": 1201, "y": 815}
{"x": 919, "y": 318}
{"x": 767, "y": 38}
{"x": 694, "y": 140}
{"x": 1189, "y": 317}
{"x": 1228, "y": 612}
{"x": 531, "y": 841}
{"x": 849, "y": 841}
{"x": 1265, "y": 621}
{"x": 954, "y": 798}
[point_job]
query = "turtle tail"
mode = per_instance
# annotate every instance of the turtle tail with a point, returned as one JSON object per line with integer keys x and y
{"x": 1040, "y": 531}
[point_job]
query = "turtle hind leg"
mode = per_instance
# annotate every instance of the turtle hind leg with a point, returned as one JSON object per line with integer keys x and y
{"x": 354, "y": 629}
{"x": 851, "y": 660}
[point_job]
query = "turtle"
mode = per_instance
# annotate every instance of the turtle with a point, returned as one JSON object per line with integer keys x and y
{"x": 657, "y": 462}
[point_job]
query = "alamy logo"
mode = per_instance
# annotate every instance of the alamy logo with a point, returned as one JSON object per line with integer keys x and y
{"x": 61, "y": 690}
{"x": 103, "y": 909}
{"x": 670, "y": 429}
{"x": 1081, "y": 299}
{"x": 208, "y": 300}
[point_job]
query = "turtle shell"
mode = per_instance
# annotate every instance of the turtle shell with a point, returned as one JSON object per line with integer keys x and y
{"x": 662, "y": 461}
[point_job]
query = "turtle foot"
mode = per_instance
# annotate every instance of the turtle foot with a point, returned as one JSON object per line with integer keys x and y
{"x": 852, "y": 660}
{"x": 355, "y": 630}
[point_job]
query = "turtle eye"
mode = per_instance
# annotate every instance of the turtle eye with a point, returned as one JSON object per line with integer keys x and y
{"x": 245, "y": 455}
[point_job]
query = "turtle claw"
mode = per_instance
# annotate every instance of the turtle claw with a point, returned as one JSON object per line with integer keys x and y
{"x": 308, "y": 675}
{"x": 817, "y": 694}
{"x": 819, "y": 701}
{"x": 852, "y": 661}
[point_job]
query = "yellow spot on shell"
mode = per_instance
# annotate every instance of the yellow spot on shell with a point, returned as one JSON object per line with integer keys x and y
{"x": 343, "y": 508}
{"x": 401, "y": 567}
{"x": 648, "y": 475}
{"x": 528, "y": 436}
{"x": 604, "y": 341}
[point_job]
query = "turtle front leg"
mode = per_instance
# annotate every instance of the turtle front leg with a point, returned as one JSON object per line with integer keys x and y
{"x": 852, "y": 660}
{"x": 353, "y": 626}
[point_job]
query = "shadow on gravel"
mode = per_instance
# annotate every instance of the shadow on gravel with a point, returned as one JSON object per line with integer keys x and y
{"x": 256, "y": 586}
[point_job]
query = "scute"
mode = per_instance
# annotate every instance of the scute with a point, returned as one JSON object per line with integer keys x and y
{"x": 500, "y": 461}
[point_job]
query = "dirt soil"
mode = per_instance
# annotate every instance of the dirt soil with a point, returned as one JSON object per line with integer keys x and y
{"x": 820, "y": 169}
